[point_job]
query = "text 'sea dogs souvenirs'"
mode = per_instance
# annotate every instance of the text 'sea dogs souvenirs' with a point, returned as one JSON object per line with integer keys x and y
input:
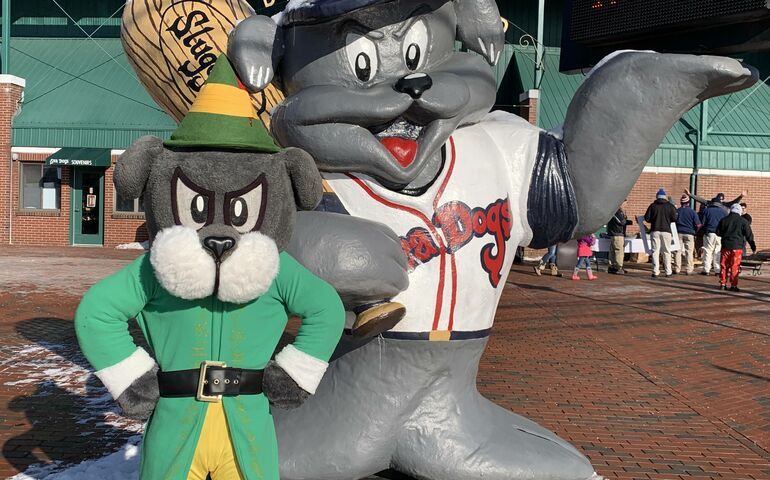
{"x": 213, "y": 295}
{"x": 174, "y": 44}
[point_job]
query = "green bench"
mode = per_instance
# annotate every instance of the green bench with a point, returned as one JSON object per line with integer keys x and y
{"x": 753, "y": 266}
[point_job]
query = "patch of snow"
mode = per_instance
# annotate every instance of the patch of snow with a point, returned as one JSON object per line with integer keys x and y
{"x": 53, "y": 368}
{"x": 297, "y": 4}
{"x": 279, "y": 17}
{"x": 121, "y": 465}
{"x": 56, "y": 366}
{"x": 145, "y": 245}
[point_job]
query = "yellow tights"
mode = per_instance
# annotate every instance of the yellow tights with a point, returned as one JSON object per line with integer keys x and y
{"x": 214, "y": 454}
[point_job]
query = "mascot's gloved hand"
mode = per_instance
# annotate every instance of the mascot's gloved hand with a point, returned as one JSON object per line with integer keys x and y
{"x": 139, "y": 399}
{"x": 280, "y": 389}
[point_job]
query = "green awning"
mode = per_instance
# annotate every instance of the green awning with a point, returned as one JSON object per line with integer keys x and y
{"x": 81, "y": 157}
{"x": 81, "y": 92}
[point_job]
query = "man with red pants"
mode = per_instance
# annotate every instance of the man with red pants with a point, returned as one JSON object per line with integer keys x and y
{"x": 735, "y": 231}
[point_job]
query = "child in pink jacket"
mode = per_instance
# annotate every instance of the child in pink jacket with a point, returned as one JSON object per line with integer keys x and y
{"x": 584, "y": 256}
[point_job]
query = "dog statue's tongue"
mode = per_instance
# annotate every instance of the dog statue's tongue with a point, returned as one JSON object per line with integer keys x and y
{"x": 403, "y": 150}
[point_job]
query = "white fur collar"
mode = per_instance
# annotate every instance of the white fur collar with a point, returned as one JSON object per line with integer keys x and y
{"x": 186, "y": 270}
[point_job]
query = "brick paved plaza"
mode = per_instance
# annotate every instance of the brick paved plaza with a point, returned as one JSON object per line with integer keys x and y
{"x": 666, "y": 379}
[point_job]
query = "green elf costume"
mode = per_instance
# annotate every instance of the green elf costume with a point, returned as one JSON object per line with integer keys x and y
{"x": 197, "y": 299}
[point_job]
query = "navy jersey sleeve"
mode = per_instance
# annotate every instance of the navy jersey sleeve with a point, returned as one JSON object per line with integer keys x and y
{"x": 551, "y": 207}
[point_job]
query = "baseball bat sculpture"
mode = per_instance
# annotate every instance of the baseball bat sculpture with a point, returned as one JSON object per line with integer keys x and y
{"x": 173, "y": 45}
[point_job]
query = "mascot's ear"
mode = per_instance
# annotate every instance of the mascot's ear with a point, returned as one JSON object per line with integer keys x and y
{"x": 133, "y": 168}
{"x": 480, "y": 28}
{"x": 255, "y": 48}
{"x": 305, "y": 178}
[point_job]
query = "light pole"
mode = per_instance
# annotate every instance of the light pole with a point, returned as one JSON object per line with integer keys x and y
{"x": 539, "y": 53}
{"x": 6, "y": 36}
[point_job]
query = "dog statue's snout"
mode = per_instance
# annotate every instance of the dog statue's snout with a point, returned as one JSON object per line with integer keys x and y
{"x": 415, "y": 84}
{"x": 218, "y": 245}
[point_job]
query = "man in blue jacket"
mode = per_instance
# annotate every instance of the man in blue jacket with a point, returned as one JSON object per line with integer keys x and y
{"x": 712, "y": 244}
{"x": 687, "y": 224}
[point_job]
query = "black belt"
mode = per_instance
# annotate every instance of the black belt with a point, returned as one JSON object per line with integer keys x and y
{"x": 210, "y": 382}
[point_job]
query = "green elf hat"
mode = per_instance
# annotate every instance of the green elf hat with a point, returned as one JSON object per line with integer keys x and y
{"x": 223, "y": 117}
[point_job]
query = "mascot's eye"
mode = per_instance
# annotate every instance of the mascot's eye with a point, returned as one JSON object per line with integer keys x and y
{"x": 239, "y": 212}
{"x": 415, "y": 45}
{"x": 362, "y": 55}
{"x": 200, "y": 209}
{"x": 245, "y": 208}
{"x": 363, "y": 67}
{"x": 413, "y": 56}
{"x": 192, "y": 204}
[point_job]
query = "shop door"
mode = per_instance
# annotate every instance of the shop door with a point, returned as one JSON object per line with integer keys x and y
{"x": 87, "y": 206}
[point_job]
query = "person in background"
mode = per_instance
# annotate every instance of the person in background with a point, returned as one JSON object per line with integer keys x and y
{"x": 584, "y": 252}
{"x": 718, "y": 200}
{"x": 616, "y": 230}
{"x": 712, "y": 243}
{"x": 748, "y": 218}
{"x": 549, "y": 261}
{"x": 660, "y": 215}
{"x": 687, "y": 225}
{"x": 746, "y": 215}
{"x": 735, "y": 232}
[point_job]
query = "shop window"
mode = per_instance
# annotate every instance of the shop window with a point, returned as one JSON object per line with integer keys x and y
{"x": 128, "y": 204}
{"x": 40, "y": 186}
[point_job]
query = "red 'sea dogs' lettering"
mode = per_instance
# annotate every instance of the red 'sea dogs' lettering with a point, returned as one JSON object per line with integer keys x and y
{"x": 419, "y": 247}
{"x": 460, "y": 224}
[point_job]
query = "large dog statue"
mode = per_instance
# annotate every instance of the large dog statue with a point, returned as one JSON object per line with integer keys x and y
{"x": 398, "y": 122}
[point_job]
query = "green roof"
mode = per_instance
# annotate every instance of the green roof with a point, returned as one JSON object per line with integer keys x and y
{"x": 556, "y": 90}
{"x": 81, "y": 93}
{"x": 739, "y": 113}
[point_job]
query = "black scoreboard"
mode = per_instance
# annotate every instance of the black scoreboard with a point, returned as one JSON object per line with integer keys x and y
{"x": 593, "y": 28}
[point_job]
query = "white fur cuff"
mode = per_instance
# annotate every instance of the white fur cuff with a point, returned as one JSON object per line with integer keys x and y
{"x": 120, "y": 376}
{"x": 304, "y": 369}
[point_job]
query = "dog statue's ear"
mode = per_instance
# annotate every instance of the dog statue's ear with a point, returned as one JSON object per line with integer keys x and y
{"x": 305, "y": 178}
{"x": 480, "y": 28}
{"x": 255, "y": 48}
{"x": 133, "y": 167}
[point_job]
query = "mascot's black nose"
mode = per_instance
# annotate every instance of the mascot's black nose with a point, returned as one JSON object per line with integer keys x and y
{"x": 218, "y": 245}
{"x": 415, "y": 84}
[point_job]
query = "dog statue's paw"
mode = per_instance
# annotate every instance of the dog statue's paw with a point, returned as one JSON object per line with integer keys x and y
{"x": 280, "y": 389}
{"x": 139, "y": 399}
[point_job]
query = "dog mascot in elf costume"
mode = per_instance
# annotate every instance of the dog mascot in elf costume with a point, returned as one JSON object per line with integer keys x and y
{"x": 213, "y": 294}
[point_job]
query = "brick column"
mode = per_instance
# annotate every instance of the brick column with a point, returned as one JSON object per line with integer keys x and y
{"x": 11, "y": 91}
{"x": 528, "y": 109}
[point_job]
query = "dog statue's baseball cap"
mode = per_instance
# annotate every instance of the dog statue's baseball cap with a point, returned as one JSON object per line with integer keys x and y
{"x": 299, "y": 12}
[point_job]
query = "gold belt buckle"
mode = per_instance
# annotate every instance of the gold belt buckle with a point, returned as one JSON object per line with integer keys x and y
{"x": 202, "y": 382}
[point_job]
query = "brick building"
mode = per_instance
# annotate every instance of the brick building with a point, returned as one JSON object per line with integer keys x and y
{"x": 68, "y": 107}
{"x": 71, "y": 103}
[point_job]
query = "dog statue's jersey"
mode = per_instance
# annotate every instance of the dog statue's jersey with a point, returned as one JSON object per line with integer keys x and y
{"x": 461, "y": 235}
